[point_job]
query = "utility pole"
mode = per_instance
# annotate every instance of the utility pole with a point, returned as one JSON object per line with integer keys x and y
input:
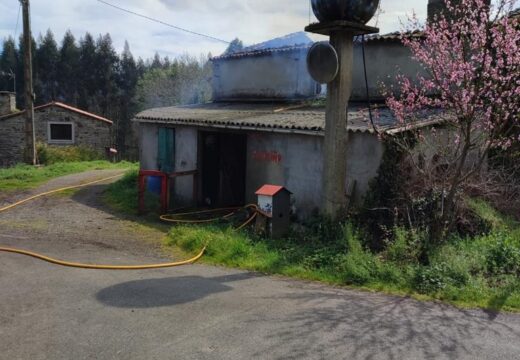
{"x": 30, "y": 138}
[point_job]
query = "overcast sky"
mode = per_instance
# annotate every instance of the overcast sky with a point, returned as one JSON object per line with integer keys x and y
{"x": 252, "y": 21}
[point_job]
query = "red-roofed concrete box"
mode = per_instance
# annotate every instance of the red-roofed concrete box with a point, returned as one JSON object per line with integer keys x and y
{"x": 275, "y": 201}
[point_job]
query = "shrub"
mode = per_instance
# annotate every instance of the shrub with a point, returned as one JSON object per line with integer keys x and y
{"x": 503, "y": 256}
{"x": 54, "y": 154}
{"x": 406, "y": 246}
{"x": 434, "y": 278}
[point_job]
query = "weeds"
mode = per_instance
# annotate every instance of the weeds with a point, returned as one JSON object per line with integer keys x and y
{"x": 480, "y": 271}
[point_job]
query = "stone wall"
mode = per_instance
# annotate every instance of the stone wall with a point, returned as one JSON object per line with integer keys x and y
{"x": 88, "y": 132}
{"x": 12, "y": 140}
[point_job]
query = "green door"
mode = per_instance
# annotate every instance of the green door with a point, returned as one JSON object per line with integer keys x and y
{"x": 166, "y": 151}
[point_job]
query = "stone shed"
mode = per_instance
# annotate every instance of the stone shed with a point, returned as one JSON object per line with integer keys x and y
{"x": 219, "y": 154}
{"x": 56, "y": 124}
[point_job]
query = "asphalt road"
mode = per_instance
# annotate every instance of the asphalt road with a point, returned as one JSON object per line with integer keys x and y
{"x": 203, "y": 312}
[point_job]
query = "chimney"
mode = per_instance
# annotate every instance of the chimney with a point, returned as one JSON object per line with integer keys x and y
{"x": 7, "y": 102}
{"x": 437, "y": 7}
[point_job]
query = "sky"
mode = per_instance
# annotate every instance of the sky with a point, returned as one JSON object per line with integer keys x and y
{"x": 252, "y": 21}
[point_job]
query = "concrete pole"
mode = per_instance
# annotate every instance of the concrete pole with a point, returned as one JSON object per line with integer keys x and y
{"x": 30, "y": 140}
{"x": 335, "y": 145}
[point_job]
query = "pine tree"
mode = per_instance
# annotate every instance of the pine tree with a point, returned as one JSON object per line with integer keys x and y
{"x": 47, "y": 65}
{"x": 69, "y": 70}
{"x": 8, "y": 65}
{"x": 127, "y": 83}
{"x": 87, "y": 75}
{"x": 106, "y": 64}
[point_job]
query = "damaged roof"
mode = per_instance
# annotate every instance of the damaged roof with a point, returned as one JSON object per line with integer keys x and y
{"x": 300, "y": 118}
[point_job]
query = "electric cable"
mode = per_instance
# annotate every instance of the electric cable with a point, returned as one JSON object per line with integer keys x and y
{"x": 164, "y": 23}
{"x": 376, "y": 130}
{"x": 17, "y": 22}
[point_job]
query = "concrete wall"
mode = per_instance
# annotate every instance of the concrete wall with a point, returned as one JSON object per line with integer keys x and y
{"x": 294, "y": 161}
{"x": 385, "y": 60}
{"x": 148, "y": 146}
{"x": 301, "y": 164}
{"x": 279, "y": 75}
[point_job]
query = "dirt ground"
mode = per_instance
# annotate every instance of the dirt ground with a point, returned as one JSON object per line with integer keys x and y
{"x": 80, "y": 220}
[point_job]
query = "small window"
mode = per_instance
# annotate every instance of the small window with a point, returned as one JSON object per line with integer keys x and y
{"x": 61, "y": 133}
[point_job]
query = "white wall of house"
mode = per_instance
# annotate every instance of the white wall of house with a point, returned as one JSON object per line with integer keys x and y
{"x": 291, "y": 160}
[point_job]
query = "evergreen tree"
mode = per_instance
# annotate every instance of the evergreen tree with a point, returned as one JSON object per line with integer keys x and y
{"x": 106, "y": 65}
{"x": 47, "y": 63}
{"x": 8, "y": 65}
{"x": 87, "y": 83}
{"x": 127, "y": 82}
{"x": 156, "y": 62}
{"x": 235, "y": 46}
{"x": 69, "y": 70}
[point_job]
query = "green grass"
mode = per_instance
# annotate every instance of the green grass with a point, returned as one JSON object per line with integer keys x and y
{"x": 23, "y": 177}
{"x": 482, "y": 271}
{"x": 479, "y": 272}
{"x": 122, "y": 196}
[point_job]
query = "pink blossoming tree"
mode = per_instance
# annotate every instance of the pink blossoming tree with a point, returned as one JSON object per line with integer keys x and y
{"x": 471, "y": 57}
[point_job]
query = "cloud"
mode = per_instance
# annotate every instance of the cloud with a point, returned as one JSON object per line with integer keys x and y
{"x": 252, "y": 21}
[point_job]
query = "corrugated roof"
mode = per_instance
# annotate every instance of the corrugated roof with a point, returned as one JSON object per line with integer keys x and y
{"x": 261, "y": 52}
{"x": 390, "y": 37}
{"x": 63, "y": 106}
{"x": 292, "y": 118}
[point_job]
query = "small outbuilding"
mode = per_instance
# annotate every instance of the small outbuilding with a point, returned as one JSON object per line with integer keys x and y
{"x": 222, "y": 153}
{"x": 55, "y": 124}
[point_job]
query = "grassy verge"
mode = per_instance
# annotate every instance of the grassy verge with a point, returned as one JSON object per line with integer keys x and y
{"x": 22, "y": 177}
{"x": 479, "y": 272}
{"x": 122, "y": 195}
{"x": 482, "y": 271}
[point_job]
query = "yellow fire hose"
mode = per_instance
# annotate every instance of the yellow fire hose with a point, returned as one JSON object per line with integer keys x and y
{"x": 168, "y": 218}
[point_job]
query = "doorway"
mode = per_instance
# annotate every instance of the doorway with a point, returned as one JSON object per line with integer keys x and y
{"x": 223, "y": 168}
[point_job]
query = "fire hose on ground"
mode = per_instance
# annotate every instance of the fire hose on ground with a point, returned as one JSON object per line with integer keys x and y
{"x": 172, "y": 218}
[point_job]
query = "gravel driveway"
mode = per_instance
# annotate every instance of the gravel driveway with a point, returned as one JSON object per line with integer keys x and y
{"x": 201, "y": 312}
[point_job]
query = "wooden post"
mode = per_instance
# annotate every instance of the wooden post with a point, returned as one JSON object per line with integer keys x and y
{"x": 335, "y": 145}
{"x": 30, "y": 138}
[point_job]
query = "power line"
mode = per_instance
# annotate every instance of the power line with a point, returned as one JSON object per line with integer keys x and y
{"x": 17, "y": 21}
{"x": 163, "y": 23}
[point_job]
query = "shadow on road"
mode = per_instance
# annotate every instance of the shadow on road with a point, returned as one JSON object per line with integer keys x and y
{"x": 170, "y": 291}
{"x": 368, "y": 326}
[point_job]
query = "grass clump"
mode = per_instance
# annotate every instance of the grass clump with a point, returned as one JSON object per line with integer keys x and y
{"x": 48, "y": 154}
{"x": 480, "y": 271}
{"x": 23, "y": 177}
{"x": 122, "y": 195}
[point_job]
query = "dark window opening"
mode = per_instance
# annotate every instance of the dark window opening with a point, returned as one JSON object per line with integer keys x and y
{"x": 61, "y": 132}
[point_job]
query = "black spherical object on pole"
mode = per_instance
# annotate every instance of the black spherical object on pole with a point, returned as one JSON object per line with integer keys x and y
{"x": 358, "y": 11}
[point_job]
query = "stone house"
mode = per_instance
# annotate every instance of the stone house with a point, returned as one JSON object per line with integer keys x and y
{"x": 56, "y": 124}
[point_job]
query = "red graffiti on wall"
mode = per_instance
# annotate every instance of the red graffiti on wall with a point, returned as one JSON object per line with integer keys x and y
{"x": 270, "y": 156}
